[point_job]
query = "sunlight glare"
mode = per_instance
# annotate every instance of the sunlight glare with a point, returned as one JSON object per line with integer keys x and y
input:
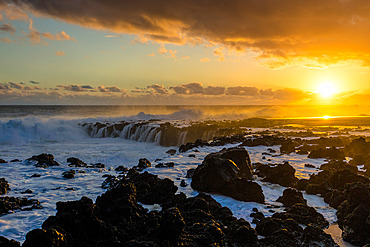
{"x": 326, "y": 89}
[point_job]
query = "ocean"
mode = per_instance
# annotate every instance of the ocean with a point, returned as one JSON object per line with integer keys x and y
{"x": 123, "y": 136}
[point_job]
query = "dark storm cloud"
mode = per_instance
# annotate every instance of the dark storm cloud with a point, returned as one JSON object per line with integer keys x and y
{"x": 282, "y": 32}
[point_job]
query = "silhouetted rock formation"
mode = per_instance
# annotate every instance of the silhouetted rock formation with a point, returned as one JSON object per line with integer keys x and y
{"x": 44, "y": 160}
{"x": 220, "y": 174}
{"x": 282, "y": 174}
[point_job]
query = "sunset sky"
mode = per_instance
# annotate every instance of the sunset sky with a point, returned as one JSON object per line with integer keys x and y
{"x": 185, "y": 52}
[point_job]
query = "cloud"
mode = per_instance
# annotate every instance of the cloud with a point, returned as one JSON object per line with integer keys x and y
{"x": 246, "y": 91}
{"x": 7, "y": 40}
{"x": 111, "y": 89}
{"x": 162, "y": 50}
{"x": 34, "y": 82}
{"x": 189, "y": 88}
{"x": 280, "y": 33}
{"x": 7, "y": 28}
{"x": 158, "y": 89}
{"x": 219, "y": 52}
{"x": 36, "y": 37}
{"x": 204, "y": 60}
{"x": 15, "y": 85}
{"x": 75, "y": 88}
{"x": 150, "y": 55}
{"x": 59, "y": 53}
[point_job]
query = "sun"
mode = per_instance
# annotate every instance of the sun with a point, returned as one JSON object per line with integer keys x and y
{"x": 326, "y": 89}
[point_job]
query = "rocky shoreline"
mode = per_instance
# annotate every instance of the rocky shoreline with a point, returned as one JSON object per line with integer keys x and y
{"x": 118, "y": 217}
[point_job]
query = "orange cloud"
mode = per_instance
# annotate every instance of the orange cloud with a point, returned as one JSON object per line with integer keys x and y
{"x": 204, "y": 60}
{"x": 59, "y": 53}
{"x": 288, "y": 32}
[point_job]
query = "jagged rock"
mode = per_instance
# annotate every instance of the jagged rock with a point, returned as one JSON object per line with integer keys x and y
{"x": 9, "y": 204}
{"x": 121, "y": 169}
{"x": 354, "y": 214}
{"x": 303, "y": 214}
{"x": 190, "y": 173}
{"x": 282, "y": 174}
{"x": 69, "y": 174}
{"x": 331, "y": 153}
{"x": 183, "y": 183}
{"x": 338, "y": 166}
{"x": 28, "y": 191}
{"x": 4, "y": 242}
{"x": 314, "y": 236}
{"x": 291, "y": 197}
{"x": 143, "y": 164}
{"x": 75, "y": 162}
{"x": 47, "y": 238}
{"x": 78, "y": 219}
{"x": 165, "y": 165}
{"x": 287, "y": 147}
{"x": 358, "y": 146}
{"x": 191, "y": 155}
{"x": 96, "y": 165}
{"x": 171, "y": 152}
{"x": 214, "y": 174}
{"x": 3, "y": 161}
{"x": 44, "y": 160}
{"x": 4, "y": 186}
{"x": 220, "y": 175}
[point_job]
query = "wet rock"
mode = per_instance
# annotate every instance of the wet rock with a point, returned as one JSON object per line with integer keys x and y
{"x": 121, "y": 169}
{"x": 214, "y": 174}
{"x": 191, "y": 155}
{"x": 239, "y": 156}
{"x": 314, "y": 236}
{"x": 9, "y": 204}
{"x": 78, "y": 219}
{"x": 143, "y": 164}
{"x": 96, "y": 165}
{"x": 44, "y": 160}
{"x": 302, "y": 184}
{"x": 338, "y": 166}
{"x": 69, "y": 174}
{"x": 330, "y": 153}
{"x": 354, "y": 213}
{"x": 36, "y": 175}
{"x": 183, "y": 183}
{"x": 3, "y": 161}
{"x": 75, "y": 162}
{"x": 4, "y": 242}
{"x": 47, "y": 238}
{"x": 291, "y": 197}
{"x": 305, "y": 215}
{"x": 287, "y": 147}
{"x": 165, "y": 165}
{"x": 4, "y": 186}
{"x": 109, "y": 182}
{"x": 171, "y": 152}
{"x": 28, "y": 191}
{"x": 358, "y": 146}
{"x": 309, "y": 166}
{"x": 15, "y": 160}
{"x": 220, "y": 175}
{"x": 190, "y": 173}
{"x": 151, "y": 189}
{"x": 282, "y": 174}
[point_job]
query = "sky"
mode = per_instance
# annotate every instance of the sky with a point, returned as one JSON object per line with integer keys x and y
{"x": 185, "y": 52}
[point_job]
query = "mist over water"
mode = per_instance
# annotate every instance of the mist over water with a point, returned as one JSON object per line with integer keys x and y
{"x": 179, "y": 112}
